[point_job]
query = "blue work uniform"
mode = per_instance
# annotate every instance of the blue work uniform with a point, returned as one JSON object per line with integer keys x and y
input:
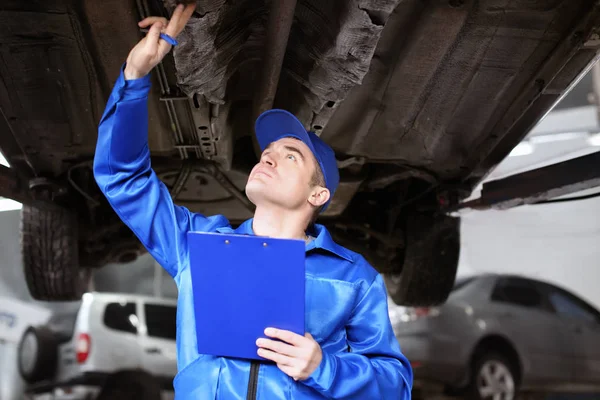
{"x": 346, "y": 301}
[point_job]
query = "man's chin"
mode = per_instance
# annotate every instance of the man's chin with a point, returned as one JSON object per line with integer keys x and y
{"x": 256, "y": 190}
{"x": 261, "y": 194}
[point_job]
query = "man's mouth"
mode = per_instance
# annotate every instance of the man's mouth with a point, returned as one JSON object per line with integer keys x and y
{"x": 262, "y": 172}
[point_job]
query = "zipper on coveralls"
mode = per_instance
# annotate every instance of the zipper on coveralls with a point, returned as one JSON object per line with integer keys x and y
{"x": 253, "y": 382}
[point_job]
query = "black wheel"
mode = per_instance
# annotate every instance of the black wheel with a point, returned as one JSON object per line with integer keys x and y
{"x": 493, "y": 377}
{"x": 430, "y": 261}
{"x": 49, "y": 246}
{"x": 130, "y": 385}
{"x": 37, "y": 354}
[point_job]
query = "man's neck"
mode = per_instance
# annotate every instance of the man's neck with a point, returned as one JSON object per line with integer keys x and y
{"x": 279, "y": 223}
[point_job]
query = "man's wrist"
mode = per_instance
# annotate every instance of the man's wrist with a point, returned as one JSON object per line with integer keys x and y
{"x": 132, "y": 74}
{"x": 131, "y": 89}
{"x": 322, "y": 376}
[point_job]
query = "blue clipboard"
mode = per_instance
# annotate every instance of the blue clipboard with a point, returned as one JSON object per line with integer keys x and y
{"x": 241, "y": 285}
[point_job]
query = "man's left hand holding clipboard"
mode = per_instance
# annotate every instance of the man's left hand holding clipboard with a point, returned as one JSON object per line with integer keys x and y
{"x": 298, "y": 356}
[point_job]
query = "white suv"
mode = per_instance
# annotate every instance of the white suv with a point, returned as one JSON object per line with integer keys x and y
{"x": 113, "y": 346}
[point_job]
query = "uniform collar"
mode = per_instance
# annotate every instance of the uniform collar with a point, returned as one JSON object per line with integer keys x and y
{"x": 323, "y": 239}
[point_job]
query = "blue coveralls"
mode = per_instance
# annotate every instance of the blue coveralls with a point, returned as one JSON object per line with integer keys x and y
{"x": 346, "y": 302}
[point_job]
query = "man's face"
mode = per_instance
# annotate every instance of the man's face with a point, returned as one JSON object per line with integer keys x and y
{"x": 283, "y": 175}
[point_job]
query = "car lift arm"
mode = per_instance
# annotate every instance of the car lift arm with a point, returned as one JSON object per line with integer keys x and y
{"x": 538, "y": 185}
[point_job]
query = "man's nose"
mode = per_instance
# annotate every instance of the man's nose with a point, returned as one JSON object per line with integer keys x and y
{"x": 269, "y": 160}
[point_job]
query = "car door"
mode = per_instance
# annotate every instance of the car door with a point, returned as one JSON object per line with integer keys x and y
{"x": 583, "y": 322}
{"x": 527, "y": 320}
{"x": 159, "y": 350}
{"x": 114, "y": 336}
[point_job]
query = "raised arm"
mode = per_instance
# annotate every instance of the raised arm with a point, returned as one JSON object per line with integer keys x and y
{"x": 122, "y": 161}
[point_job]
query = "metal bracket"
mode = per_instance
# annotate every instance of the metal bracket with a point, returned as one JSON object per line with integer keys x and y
{"x": 12, "y": 186}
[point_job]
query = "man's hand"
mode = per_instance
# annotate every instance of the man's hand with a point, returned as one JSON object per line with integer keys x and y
{"x": 298, "y": 357}
{"x": 152, "y": 49}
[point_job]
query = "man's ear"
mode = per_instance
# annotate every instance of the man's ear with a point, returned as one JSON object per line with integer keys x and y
{"x": 319, "y": 196}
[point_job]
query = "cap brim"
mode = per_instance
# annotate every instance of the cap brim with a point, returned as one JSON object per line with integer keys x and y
{"x": 273, "y": 125}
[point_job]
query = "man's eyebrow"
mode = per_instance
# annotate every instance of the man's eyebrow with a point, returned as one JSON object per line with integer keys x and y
{"x": 295, "y": 150}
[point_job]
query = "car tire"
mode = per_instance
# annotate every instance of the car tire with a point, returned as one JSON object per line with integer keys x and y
{"x": 50, "y": 251}
{"x": 130, "y": 385}
{"x": 493, "y": 363}
{"x": 37, "y": 354}
{"x": 430, "y": 261}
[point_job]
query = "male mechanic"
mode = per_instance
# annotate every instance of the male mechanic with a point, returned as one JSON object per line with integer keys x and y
{"x": 349, "y": 350}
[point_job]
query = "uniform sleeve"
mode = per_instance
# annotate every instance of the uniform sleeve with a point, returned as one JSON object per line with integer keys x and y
{"x": 375, "y": 368}
{"x": 124, "y": 175}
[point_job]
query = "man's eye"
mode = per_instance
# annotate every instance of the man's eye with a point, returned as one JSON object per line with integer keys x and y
{"x": 291, "y": 157}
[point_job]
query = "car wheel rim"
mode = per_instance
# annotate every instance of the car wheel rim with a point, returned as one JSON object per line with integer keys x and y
{"x": 495, "y": 382}
{"x": 28, "y": 352}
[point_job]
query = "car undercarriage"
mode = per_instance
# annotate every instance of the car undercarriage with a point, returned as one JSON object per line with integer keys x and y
{"x": 420, "y": 100}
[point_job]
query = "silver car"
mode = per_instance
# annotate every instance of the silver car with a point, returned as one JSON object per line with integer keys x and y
{"x": 111, "y": 346}
{"x": 499, "y": 335}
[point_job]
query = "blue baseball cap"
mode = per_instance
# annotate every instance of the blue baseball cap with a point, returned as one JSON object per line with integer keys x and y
{"x": 276, "y": 124}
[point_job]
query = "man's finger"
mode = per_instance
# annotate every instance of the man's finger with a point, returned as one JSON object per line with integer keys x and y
{"x": 275, "y": 357}
{"x": 163, "y": 47}
{"x": 186, "y": 15}
{"x": 179, "y": 19}
{"x": 287, "y": 336}
{"x": 146, "y": 22}
{"x": 153, "y": 37}
{"x": 278, "y": 347}
{"x": 174, "y": 21}
{"x": 289, "y": 371}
